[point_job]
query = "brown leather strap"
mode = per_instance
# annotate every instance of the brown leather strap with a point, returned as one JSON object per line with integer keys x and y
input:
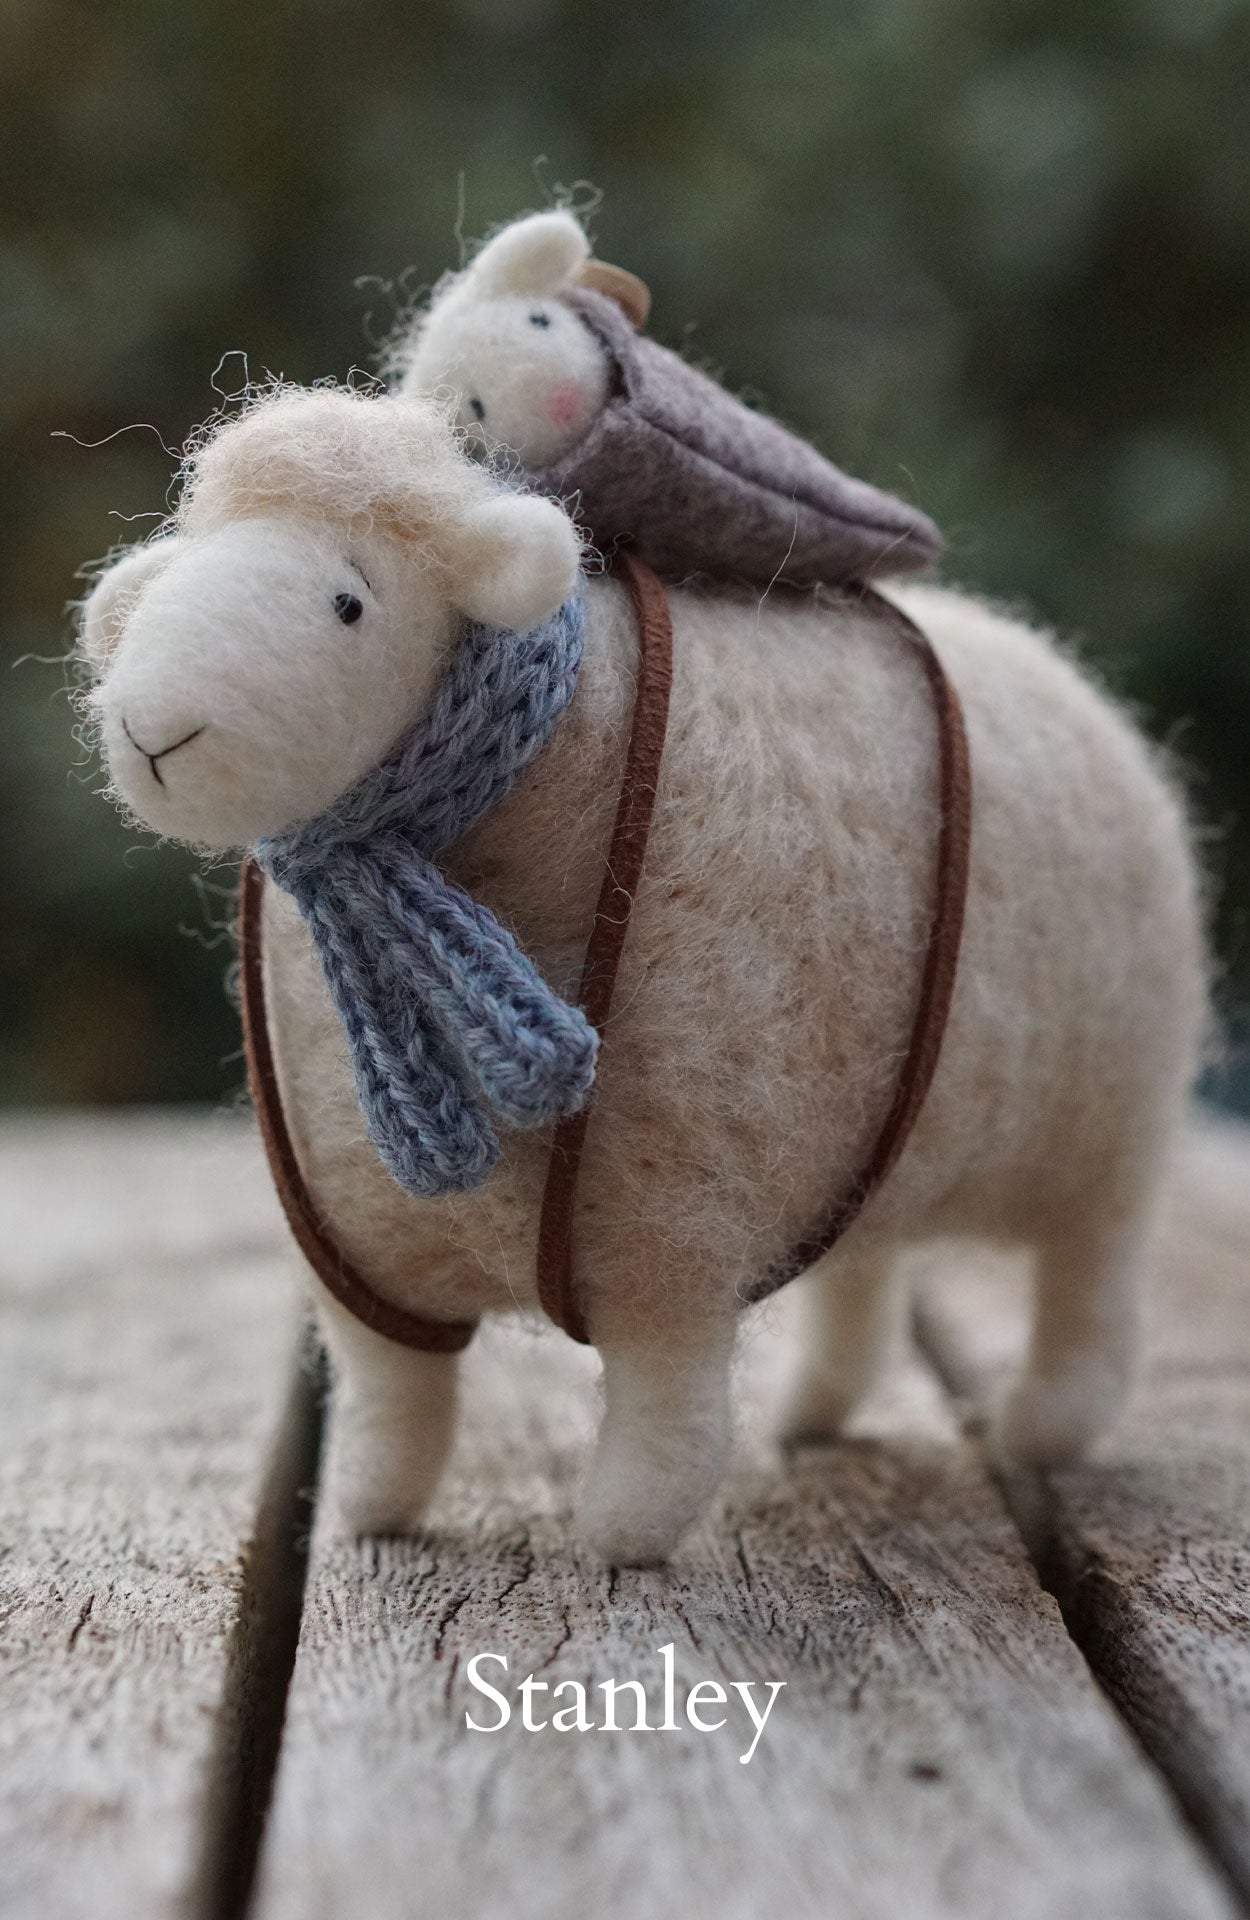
{"x": 626, "y": 854}
{"x": 627, "y": 851}
{"x": 937, "y": 981}
{"x": 327, "y": 1260}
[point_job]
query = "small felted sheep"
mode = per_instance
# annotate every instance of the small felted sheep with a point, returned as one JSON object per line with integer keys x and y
{"x": 354, "y": 654}
{"x": 538, "y": 348}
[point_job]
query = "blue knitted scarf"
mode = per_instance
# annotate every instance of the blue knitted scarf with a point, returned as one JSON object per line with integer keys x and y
{"x": 443, "y": 1011}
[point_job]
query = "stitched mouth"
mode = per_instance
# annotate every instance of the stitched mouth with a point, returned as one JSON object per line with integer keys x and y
{"x": 163, "y": 752}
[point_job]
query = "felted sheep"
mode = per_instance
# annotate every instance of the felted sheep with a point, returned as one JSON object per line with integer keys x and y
{"x": 538, "y": 349}
{"x": 301, "y": 620}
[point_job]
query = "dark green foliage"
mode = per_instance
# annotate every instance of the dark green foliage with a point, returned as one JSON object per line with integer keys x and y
{"x": 994, "y": 257}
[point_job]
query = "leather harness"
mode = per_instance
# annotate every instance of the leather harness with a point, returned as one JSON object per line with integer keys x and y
{"x": 557, "y": 1290}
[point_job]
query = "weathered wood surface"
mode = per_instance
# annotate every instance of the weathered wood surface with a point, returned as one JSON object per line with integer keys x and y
{"x": 146, "y": 1350}
{"x": 939, "y": 1748}
{"x": 1149, "y": 1548}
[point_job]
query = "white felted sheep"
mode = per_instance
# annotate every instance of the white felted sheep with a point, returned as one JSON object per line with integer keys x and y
{"x": 539, "y": 351}
{"x": 521, "y": 370}
{"x": 299, "y": 616}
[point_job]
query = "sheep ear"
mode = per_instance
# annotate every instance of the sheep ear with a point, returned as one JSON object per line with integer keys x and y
{"x": 107, "y": 607}
{"x": 632, "y": 295}
{"x": 517, "y": 560}
{"x": 536, "y": 255}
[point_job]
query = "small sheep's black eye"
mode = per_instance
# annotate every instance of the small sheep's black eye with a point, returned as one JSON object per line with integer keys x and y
{"x": 478, "y": 410}
{"x": 540, "y": 319}
{"x": 348, "y": 608}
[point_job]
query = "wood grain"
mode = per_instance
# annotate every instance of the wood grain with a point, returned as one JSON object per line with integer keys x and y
{"x": 148, "y": 1339}
{"x": 1148, "y": 1549}
{"x": 939, "y": 1749}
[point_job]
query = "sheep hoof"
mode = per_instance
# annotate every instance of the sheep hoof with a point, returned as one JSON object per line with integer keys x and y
{"x": 624, "y": 1541}
{"x": 376, "y": 1513}
{"x": 360, "y": 1499}
{"x": 1054, "y": 1420}
{"x": 817, "y": 1410}
{"x": 631, "y": 1526}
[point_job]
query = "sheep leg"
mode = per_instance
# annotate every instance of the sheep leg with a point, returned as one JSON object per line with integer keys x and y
{"x": 1082, "y": 1356}
{"x": 850, "y": 1329}
{"x": 663, "y": 1442}
{"x": 392, "y": 1419}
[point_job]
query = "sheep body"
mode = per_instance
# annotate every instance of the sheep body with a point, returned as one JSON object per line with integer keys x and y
{"x": 764, "y": 1004}
{"x": 769, "y": 978}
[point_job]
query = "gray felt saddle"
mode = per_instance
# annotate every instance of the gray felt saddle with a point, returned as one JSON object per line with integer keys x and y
{"x": 696, "y": 482}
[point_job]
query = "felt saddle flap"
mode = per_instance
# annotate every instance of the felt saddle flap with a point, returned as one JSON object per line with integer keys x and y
{"x": 697, "y": 482}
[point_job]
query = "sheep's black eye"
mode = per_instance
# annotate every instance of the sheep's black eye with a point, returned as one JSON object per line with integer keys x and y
{"x": 477, "y": 409}
{"x": 348, "y": 608}
{"x": 540, "y": 319}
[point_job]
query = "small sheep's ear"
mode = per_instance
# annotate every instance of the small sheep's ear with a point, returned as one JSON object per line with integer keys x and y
{"x": 533, "y": 256}
{"x": 517, "y": 560}
{"x": 632, "y": 295}
{"x": 107, "y": 607}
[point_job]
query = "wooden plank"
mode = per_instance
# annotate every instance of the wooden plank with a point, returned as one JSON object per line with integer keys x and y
{"x": 145, "y": 1365}
{"x": 1148, "y": 1549}
{"x": 939, "y": 1749}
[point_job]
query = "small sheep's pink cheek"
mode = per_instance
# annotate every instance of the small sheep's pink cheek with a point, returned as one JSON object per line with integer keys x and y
{"x": 566, "y": 404}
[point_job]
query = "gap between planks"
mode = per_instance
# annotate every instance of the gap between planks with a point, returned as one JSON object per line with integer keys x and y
{"x": 869, "y": 1543}
{"x": 1161, "y": 1711}
{"x": 262, "y": 1652}
{"x": 943, "y": 1753}
{"x": 148, "y": 1337}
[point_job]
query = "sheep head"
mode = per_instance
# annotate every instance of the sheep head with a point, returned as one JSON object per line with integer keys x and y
{"x": 521, "y": 369}
{"x": 274, "y": 643}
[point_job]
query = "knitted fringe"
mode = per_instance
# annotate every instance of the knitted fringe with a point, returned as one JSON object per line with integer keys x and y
{"x": 445, "y": 1016}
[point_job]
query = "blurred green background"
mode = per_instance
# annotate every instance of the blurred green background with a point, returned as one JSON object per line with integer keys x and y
{"x": 996, "y": 257}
